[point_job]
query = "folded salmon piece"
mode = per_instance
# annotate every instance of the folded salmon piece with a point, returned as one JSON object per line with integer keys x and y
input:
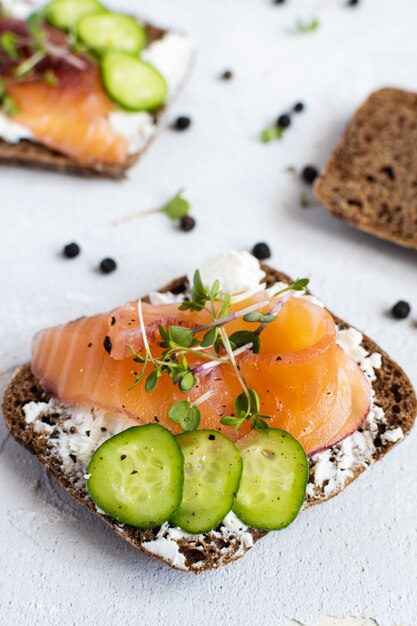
{"x": 305, "y": 381}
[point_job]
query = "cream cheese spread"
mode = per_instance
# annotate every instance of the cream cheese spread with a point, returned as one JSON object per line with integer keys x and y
{"x": 236, "y": 272}
{"x": 20, "y": 9}
{"x": 12, "y": 132}
{"x": 79, "y": 431}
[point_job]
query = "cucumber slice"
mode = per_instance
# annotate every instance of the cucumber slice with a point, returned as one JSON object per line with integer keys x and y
{"x": 65, "y": 14}
{"x": 212, "y": 470}
{"x": 132, "y": 83}
{"x": 137, "y": 476}
{"x": 112, "y": 31}
{"x": 274, "y": 479}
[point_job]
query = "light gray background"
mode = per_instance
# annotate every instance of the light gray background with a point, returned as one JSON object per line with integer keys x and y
{"x": 357, "y": 554}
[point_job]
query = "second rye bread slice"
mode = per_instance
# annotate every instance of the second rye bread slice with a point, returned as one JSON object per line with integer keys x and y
{"x": 393, "y": 394}
{"x": 370, "y": 179}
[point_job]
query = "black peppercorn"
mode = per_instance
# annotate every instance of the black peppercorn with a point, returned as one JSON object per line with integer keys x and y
{"x": 401, "y": 310}
{"x": 283, "y": 121}
{"x": 187, "y": 223}
{"x": 309, "y": 174}
{"x": 227, "y": 75}
{"x": 261, "y": 251}
{"x": 182, "y": 123}
{"x": 298, "y": 107}
{"x": 352, "y": 3}
{"x": 71, "y": 250}
{"x": 107, "y": 266}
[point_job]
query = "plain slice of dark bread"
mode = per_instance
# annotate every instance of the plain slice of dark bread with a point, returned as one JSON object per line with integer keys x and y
{"x": 370, "y": 179}
{"x": 36, "y": 155}
{"x": 393, "y": 393}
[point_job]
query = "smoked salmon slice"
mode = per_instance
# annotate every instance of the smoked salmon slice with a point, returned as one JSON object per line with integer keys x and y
{"x": 304, "y": 380}
{"x": 69, "y": 112}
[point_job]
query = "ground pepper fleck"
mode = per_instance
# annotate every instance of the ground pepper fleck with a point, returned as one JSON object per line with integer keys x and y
{"x": 107, "y": 344}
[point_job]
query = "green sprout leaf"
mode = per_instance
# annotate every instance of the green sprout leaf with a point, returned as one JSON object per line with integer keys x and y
{"x": 272, "y": 133}
{"x": 233, "y": 421}
{"x": 259, "y": 423}
{"x": 152, "y": 380}
{"x": 307, "y": 27}
{"x": 199, "y": 295}
{"x": 305, "y": 201}
{"x": 209, "y": 338}
{"x": 187, "y": 382}
{"x": 225, "y": 306}
{"x": 188, "y": 416}
{"x": 255, "y": 316}
{"x": 9, "y": 106}
{"x": 215, "y": 289}
{"x": 241, "y": 338}
{"x": 300, "y": 284}
{"x": 242, "y": 406}
{"x": 177, "y": 207}
{"x": 198, "y": 290}
{"x": 50, "y": 79}
{"x": 8, "y": 45}
{"x": 34, "y": 26}
{"x": 247, "y": 405}
{"x": 181, "y": 336}
{"x": 255, "y": 404}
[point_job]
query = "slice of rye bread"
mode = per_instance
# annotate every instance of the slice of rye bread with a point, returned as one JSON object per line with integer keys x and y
{"x": 36, "y": 155}
{"x": 370, "y": 179}
{"x": 393, "y": 393}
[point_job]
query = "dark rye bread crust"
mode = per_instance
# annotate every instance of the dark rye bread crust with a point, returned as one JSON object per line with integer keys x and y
{"x": 394, "y": 393}
{"x": 370, "y": 179}
{"x": 35, "y": 155}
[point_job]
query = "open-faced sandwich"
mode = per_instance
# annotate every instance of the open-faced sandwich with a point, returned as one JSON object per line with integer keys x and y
{"x": 197, "y": 419}
{"x": 83, "y": 89}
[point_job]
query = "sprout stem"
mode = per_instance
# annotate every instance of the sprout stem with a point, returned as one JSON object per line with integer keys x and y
{"x": 229, "y": 351}
{"x": 233, "y": 316}
{"x": 143, "y": 331}
{"x": 203, "y": 398}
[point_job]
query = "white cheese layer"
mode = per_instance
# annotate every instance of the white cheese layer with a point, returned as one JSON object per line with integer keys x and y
{"x": 236, "y": 272}
{"x": 171, "y": 56}
{"x": 20, "y": 9}
{"x": 12, "y": 132}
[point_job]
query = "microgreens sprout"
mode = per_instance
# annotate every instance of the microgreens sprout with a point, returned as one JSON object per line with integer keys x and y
{"x": 247, "y": 407}
{"x": 187, "y": 414}
{"x": 212, "y": 344}
{"x": 8, "y": 45}
{"x": 7, "y": 104}
{"x": 175, "y": 209}
{"x": 40, "y": 45}
{"x": 300, "y": 284}
{"x": 307, "y": 27}
{"x": 272, "y": 133}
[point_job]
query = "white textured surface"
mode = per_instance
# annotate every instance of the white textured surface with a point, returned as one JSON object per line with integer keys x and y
{"x": 354, "y": 556}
